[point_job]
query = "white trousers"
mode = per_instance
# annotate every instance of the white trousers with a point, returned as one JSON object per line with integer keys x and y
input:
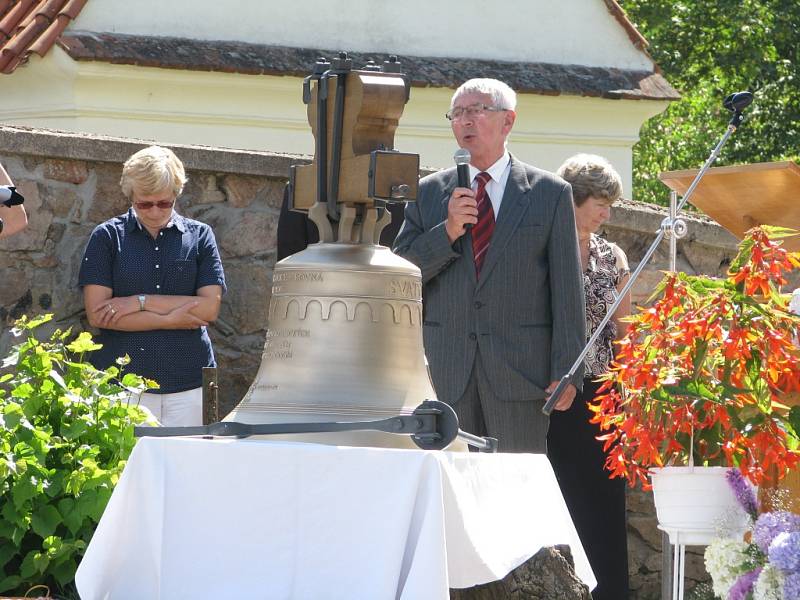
{"x": 174, "y": 410}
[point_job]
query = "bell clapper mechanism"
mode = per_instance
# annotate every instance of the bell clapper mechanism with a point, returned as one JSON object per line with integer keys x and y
{"x": 343, "y": 361}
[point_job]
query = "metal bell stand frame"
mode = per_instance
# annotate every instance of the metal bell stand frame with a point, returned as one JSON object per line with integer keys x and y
{"x": 673, "y": 228}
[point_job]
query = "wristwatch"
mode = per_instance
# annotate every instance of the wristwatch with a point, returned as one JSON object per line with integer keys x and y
{"x": 142, "y": 298}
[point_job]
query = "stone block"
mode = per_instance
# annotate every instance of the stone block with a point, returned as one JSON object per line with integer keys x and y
{"x": 248, "y": 233}
{"x": 15, "y": 282}
{"x": 202, "y": 188}
{"x": 242, "y": 190}
{"x": 108, "y": 200}
{"x": 274, "y": 193}
{"x": 31, "y": 238}
{"x": 647, "y": 528}
{"x": 71, "y": 171}
{"x": 62, "y": 201}
{"x": 249, "y": 291}
{"x": 548, "y": 575}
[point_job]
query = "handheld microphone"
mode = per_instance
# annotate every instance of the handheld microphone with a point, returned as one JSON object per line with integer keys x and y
{"x": 738, "y": 101}
{"x": 9, "y": 196}
{"x": 462, "y": 158}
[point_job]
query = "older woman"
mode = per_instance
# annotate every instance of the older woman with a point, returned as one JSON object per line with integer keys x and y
{"x": 596, "y": 503}
{"x": 152, "y": 280}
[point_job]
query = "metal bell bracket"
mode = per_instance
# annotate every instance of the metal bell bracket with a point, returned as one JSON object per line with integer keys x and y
{"x": 432, "y": 426}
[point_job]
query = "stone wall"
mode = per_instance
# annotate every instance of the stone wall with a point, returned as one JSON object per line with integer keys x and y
{"x": 71, "y": 184}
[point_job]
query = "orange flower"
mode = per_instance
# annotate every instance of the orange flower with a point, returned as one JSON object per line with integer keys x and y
{"x": 701, "y": 368}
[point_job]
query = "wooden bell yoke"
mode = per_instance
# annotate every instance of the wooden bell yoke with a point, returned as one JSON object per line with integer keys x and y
{"x": 353, "y": 115}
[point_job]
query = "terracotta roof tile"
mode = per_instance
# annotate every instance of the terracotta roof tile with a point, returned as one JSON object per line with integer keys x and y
{"x": 28, "y": 26}
{"x": 257, "y": 59}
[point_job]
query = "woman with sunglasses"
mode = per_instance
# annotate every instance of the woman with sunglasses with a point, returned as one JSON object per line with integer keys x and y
{"x": 152, "y": 281}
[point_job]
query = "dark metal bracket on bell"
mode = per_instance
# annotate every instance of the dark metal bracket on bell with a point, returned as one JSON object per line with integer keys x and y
{"x": 432, "y": 426}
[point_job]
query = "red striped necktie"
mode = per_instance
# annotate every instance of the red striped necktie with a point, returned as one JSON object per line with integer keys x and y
{"x": 482, "y": 230}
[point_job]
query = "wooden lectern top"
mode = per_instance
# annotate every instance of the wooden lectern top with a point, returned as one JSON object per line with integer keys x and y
{"x": 743, "y": 196}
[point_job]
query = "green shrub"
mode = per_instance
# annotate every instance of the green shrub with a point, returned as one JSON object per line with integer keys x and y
{"x": 66, "y": 430}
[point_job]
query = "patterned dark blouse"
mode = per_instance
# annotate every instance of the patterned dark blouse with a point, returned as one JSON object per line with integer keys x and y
{"x": 605, "y": 270}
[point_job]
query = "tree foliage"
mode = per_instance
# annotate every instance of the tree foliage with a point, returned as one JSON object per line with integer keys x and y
{"x": 708, "y": 49}
{"x": 66, "y": 430}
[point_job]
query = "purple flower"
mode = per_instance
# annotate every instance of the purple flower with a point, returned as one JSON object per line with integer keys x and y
{"x": 784, "y": 551}
{"x": 743, "y": 491}
{"x": 744, "y": 585}
{"x": 791, "y": 586}
{"x": 769, "y": 525}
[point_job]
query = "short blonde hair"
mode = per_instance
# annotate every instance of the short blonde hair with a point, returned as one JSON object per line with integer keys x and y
{"x": 591, "y": 175}
{"x": 151, "y": 171}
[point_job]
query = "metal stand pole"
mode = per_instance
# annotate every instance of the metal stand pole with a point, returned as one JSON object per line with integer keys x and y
{"x": 669, "y": 226}
{"x": 678, "y": 569}
{"x": 666, "y": 567}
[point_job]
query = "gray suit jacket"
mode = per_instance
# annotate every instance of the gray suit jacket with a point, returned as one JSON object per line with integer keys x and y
{"x": 526, "y": 312}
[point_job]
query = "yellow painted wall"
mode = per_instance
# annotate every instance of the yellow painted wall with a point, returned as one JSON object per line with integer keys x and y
{"x": 264, "y": 112}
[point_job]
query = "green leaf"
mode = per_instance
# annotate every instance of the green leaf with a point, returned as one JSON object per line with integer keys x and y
{"x": 45, "y": 520}
{"x": 74, "y": 429}
{"x": 23, "y": 490}
{"x": 23, "y": 390}
{"x": 12, "y": 415}
{"x": 775, "y": 232}
{"x": 794, "y": 420}
{"x": 64, "y": 571}
{"x": 9, "y": 583}
{"x": 28, "y": 567}
{"x": 83, "y": 343}
{"x": 7, "y": 552}
{"x": 34, "y": 322}
{"x": 71, "y": 517}
{"x": 40, "y": 561}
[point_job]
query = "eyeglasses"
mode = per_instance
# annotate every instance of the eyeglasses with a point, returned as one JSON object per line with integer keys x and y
{"x": 472, "y": 111}
{"x": 159, "y": 204}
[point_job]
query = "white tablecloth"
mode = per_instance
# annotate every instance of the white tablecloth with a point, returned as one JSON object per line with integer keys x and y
{"x": 195, "y": 518}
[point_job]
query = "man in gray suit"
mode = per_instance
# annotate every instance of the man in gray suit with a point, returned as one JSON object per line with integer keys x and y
{"x": 502, "y": 286}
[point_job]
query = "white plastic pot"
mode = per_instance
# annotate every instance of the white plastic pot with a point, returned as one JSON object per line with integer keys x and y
{"x": 695, "y": 504}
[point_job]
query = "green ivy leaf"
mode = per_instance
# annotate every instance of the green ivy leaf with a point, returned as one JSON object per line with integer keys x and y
{"x": 45, "y": 520}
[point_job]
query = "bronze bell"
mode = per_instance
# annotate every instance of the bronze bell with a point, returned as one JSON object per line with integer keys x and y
{"x": 344, "y": 341}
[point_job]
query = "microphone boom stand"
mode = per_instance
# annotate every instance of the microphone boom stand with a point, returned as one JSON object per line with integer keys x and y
{"x": 672, "y": 226}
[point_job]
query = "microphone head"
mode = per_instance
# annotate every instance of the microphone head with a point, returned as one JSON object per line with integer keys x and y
{"x": 738, "y": 102}
{"x": 462, "y": 156}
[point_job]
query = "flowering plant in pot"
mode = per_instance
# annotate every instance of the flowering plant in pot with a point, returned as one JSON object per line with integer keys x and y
{"x": 700, "y": 377}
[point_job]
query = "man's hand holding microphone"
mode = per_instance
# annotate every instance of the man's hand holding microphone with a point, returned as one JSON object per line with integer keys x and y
{"x": 462, "y": 209}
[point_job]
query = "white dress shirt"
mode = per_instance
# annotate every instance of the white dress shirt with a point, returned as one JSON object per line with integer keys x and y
{"x": 496, "y": 187}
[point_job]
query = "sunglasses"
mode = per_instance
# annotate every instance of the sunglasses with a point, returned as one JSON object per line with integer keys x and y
{"x": 159, "y": 204}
